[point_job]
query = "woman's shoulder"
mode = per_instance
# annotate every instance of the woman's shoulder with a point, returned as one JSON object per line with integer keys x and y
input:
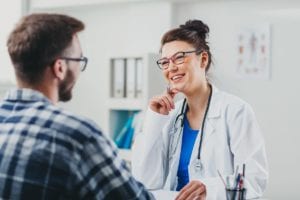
{"x": 231, "y": 101}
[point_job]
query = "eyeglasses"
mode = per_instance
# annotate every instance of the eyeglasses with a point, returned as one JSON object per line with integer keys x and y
{"x": 83, "y": 61}
{"x": 177, "y": 59}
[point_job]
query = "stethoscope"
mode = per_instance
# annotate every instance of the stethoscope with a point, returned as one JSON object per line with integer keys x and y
{"x": 179, "y": 121}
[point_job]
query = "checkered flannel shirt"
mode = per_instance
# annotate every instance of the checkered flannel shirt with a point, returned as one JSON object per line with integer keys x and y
{"x": 48, "y": 153}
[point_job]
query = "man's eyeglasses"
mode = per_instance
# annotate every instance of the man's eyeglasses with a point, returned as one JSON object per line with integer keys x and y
{"x": 177, "y": 59}
{"x": 83, "y": 61}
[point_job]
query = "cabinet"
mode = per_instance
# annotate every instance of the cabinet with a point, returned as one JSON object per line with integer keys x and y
{"x": 133, "y": 81}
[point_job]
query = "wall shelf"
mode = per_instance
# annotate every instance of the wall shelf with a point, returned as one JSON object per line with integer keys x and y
{"x": 125, "y": 104}
{"x": 127, "y": 73}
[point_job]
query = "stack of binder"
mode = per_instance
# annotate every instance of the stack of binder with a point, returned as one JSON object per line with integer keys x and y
{"x": 127, "y": 78}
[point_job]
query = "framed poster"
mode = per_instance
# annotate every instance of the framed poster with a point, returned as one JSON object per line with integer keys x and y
{"x": 253, "y": 52}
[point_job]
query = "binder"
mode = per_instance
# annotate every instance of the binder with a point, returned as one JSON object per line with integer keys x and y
{"x": 118, "y": 78}
{"x": 130, "y": 78}
{"x": 128, "y": 138}
{"x": 139, "y": 77}
{"x": 122, "y": 137}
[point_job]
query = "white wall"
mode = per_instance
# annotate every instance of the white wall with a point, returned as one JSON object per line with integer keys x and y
{"x": 275, "y": 101}
{"x": 10, "y": 13}
{"x": 134, "y": 28}
{"x": 113, "y": 30}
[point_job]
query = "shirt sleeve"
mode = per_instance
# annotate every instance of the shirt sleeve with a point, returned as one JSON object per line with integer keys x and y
{"x": 103, "y": 175}
{"x": 247, "y": 146}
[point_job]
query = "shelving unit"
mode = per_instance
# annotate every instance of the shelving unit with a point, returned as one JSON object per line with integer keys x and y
{"x": 112, "y": 112}
{"x": 121, "y": 106}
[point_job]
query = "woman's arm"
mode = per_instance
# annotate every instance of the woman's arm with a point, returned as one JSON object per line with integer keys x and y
{"x": 149, "y": 159}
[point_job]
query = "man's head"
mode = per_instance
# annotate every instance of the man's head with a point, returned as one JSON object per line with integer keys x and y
{"x": 41, "y": 42}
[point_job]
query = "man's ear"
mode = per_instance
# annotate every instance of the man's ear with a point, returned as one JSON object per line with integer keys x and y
{"x": 59, "y": 69}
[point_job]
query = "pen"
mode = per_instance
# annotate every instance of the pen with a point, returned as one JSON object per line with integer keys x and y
{"x": 228, "y": 182}
{"x": 244, "y": 169}
{"x": 222, "y": 178}
{"x": 236, "y": 172}
{"x": 236, "y": 188}
{"x": 237, "y": 181}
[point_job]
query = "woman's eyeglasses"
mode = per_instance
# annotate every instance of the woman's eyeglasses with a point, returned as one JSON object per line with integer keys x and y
{"x": 177, "y": 59}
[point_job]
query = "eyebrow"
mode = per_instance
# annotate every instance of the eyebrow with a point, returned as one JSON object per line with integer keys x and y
{"x": 172, "y": 55}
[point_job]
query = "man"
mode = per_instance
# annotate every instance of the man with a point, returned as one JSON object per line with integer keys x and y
{"x": 45, "y": 151}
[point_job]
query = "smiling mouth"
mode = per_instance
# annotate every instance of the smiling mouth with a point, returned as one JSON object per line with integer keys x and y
{"x": 177, "y": 77}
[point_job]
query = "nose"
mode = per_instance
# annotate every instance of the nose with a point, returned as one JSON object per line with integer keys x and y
{"x": 172, "y": 66}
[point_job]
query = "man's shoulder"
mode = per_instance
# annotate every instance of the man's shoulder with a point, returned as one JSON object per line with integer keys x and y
{"x": 69, "y": 123}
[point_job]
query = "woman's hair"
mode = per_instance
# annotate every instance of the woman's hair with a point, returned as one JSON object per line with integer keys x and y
{"x": 38, "y": 40}
{"x": 194, "y": 32}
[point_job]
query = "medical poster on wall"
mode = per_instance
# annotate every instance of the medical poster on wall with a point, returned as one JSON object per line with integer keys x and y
{"x": 253, "y": 52}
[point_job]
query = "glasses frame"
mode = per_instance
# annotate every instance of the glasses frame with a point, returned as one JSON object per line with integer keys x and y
{"x": 82, "y": 59}
{"x": 172, "y": 58}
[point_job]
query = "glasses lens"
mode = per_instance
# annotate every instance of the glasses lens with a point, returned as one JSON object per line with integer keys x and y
{"x": 163, "y": 63}
{"x": 83, "y": 64}
{"x": 178, "y": 58}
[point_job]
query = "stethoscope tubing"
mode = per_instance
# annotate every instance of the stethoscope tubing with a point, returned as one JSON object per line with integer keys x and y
{"x": 182, "y": 115}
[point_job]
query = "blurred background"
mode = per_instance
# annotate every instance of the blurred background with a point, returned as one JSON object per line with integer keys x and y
{"x": 133, "y": 28}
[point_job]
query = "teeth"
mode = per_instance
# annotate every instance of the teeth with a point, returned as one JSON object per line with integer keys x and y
{"x": 176, "y": 77}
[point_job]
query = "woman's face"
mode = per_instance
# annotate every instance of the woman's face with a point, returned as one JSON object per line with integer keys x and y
{"x": 187, "y": 76}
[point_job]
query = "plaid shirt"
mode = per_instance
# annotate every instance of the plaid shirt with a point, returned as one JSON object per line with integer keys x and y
{"x": 48, "y": 153}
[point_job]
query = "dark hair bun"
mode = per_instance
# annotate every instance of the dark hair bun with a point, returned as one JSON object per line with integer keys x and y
{"x": 198, "y": 26}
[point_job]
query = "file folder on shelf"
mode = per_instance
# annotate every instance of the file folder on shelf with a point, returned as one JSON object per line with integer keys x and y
{"x": 130, "y": 77}
{"x": 118, "y": 78}
{"x": 139, "y": 78}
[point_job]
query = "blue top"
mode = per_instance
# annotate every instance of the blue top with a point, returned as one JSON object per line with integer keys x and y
{"x": 48, "y": 153}
{"x": 188, "y": 140}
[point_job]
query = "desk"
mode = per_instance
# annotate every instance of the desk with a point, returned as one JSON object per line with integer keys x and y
{"x": 164, "y": 194}
{"x": 171, "y": 195}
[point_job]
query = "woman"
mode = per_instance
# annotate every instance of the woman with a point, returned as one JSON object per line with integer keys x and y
{"x": 184, "y": 145}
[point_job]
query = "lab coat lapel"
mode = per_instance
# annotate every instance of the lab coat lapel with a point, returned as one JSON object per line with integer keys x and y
{"x": 208, "y": 130}
{"x": 213, "y": 113}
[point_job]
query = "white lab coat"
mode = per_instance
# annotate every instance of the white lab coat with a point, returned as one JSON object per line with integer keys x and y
{"x": 231, "y": 137}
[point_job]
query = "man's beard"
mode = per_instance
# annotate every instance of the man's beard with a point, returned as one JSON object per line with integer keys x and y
{"x": 65, "y": 87}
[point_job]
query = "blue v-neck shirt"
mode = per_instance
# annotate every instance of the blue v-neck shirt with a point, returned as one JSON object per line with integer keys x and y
{"x": 188, "y": 140}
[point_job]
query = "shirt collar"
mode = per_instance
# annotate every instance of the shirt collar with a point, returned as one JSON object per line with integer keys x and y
{"x": 25, "y": 94}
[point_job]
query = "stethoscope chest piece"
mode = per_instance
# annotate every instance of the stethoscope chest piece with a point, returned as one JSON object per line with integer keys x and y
{"x": 198, "y": 166}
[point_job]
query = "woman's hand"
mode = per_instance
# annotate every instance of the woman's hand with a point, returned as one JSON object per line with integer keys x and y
{"x": 164, "y": 103}
{"x": 194, "y": 190}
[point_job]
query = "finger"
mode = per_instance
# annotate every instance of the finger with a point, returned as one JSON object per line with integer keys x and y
{"x": 196, "y": 192}
{"x": 167, "y": 102}
{"x": 169, "y": 98}
{"x": 170, "y": 94}
{"x": 168, "y": 88}
{"x": 190, "y": 188}
{"x": 157, "y": 105}
{"x": 155, "y": 101}
{"x": 172, "y": 91}
{"x": 162, "y": 106}
{"x": 184, "y": 192}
